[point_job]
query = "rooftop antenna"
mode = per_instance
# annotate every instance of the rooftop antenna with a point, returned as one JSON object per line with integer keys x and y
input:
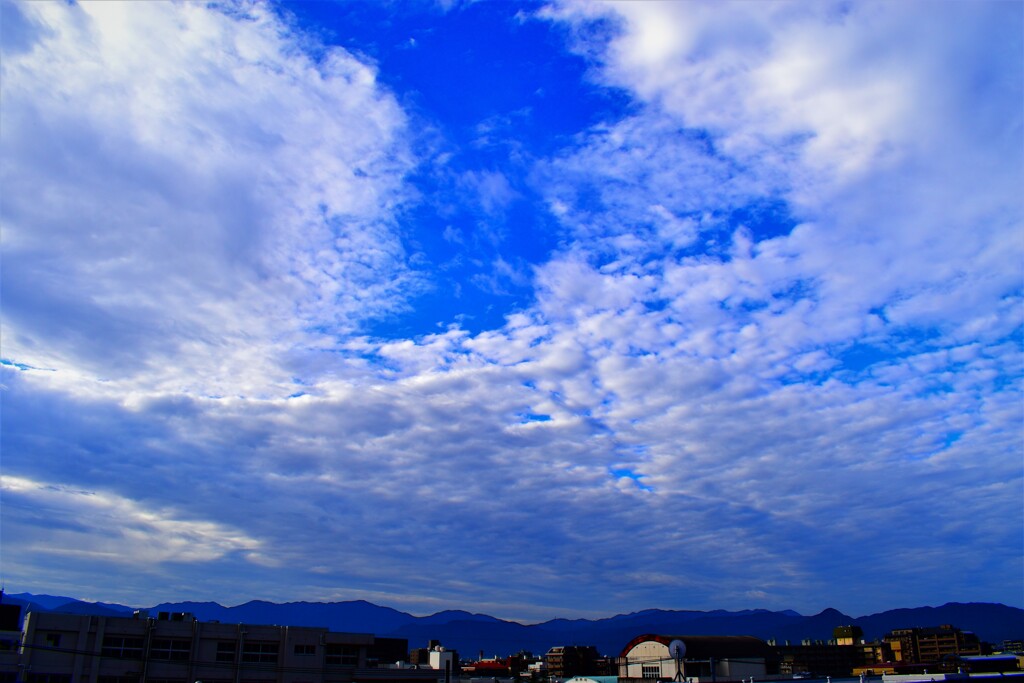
{"x": 677, "y": 649}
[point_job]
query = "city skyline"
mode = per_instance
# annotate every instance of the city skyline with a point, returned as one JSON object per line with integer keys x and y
{"x": 467, "y": 631}
{"x": 547, "y": 309}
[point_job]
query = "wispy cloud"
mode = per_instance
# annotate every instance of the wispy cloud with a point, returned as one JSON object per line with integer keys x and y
{"x": 100, "y": 525}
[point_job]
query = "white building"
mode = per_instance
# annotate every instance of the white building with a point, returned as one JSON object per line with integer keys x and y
{"x": 445, "y": 661}
{"x": 694, "y": 659}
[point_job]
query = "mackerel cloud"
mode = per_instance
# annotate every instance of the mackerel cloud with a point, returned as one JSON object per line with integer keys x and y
{"x": 204, "y": 206}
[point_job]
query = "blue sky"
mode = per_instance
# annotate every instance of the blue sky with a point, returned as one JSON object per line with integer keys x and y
{"x": 533, "y": 309}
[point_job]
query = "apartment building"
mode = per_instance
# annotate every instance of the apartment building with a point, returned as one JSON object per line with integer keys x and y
{"x": 933, "y": 644}
{"x": 567, "y": 661}
{"x": 177, "y": 648}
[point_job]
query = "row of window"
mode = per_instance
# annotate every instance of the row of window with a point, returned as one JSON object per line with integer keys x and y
{"x": 11, "y": 677}
{"x": 259, "y": 652}
{"x": 266, "y": 652}
{"x": 120, "y": 647}
{"x": 179, "y": 649}
{"x": 48, "y": 678}
{"x": 170, "y": 648}
{"x": 341, "y": 654}
{"x": 650, "y": 670}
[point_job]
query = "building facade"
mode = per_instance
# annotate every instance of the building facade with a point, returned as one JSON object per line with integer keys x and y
{"x": 10, "y": 636}
{"x": 933, "y": 644}
{"x": 694, "y": 658}
{"x": 567, "y": 661}
{"x": 176, "y": 648}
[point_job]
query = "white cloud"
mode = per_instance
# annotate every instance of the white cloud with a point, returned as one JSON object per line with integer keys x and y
{"x": 889, "y": 154}
{"x": 905, "y": 235}
{"x": 112, "y": 528}
{"x": 495, "y": 192}
{"x": 187, "y": 186}
{"x": 241, "y": 195}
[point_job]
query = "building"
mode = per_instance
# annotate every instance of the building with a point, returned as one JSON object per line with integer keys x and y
{"x": 594, "y": 679}
{"x": 842, "y": 656}
{"x": 933, "y": 644}
{"x": 521, "y": 662}
{"x": 848, "y": 635}
{"x": 1012, "y": 646}
{"x": 822, "y": 659}
{"x": 1001, "y": 663}
{"x": 435, "y": 656}
{"x": 177, "y": 648}
{"x": 10, "y": 637}
{"x": 385, "y": 652}
{"x": 693, "y": 658}
{"x": 567, "y": 661}
{"x": 488, "y": 668}
{"x": 420, "y": 656}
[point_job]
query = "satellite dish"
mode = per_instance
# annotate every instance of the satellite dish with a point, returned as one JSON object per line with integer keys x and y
{"x": 677, "y": 649}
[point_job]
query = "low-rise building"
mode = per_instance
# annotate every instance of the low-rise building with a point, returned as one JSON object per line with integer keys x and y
{"x": 694, "y": 659}
{"x": 10, "y": 637}
{"x": 177, "y": 648}
{"x": 436, "y": 656}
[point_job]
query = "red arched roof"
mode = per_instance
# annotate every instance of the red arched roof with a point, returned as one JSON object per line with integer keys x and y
{"x": 706, "y": 647}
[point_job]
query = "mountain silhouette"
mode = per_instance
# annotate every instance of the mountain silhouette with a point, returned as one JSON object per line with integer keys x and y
{"x": 471, "y": 633}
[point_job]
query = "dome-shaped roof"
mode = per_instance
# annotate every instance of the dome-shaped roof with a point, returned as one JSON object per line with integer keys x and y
{"x": 708, "y": 647}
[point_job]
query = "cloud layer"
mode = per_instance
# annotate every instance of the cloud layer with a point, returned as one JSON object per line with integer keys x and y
{"x": 203, "y": 194}
{"x": 777, "y": 343}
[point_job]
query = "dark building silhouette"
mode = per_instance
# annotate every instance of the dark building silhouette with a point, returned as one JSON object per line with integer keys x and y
{"x": 177, "y": 648}
{"x": 566, "y": 661}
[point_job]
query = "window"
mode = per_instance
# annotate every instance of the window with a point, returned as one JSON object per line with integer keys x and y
{"x": 171, "y": 648}
{"x": 305, "y": 649}
{"x": 260, "y": 652}
{"x": 226, "y": 651}
{"x": 118, "y": 679}
{"x": 651, "y": 670}
{"x": 48, "y": 678}
{"x": 344, "y": 655}
{"x": 52, "y": 640}
{"x": 120, "y": 647}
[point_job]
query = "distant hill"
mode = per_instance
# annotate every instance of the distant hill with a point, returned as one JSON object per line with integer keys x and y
{"x": 57, "y": 603}
{"x": 992, "y": 622}
{"x": 472, "y": 633}
{"x": 449, "y": 616}
{"x": 357, "y": 616}
{"x": 45, "y": 601}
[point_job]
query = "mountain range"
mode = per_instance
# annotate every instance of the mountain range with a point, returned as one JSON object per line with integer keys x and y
{"x": 471, "y": 633}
